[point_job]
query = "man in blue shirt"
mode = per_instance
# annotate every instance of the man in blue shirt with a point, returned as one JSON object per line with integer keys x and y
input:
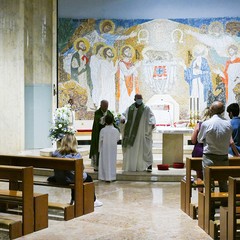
{"x": 233, "y": 112}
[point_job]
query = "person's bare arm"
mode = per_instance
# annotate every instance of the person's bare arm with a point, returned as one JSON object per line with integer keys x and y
{"x": 233, "y": 146}
{"x": 194, "y": 134}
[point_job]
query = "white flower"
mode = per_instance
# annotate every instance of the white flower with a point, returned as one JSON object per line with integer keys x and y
{"x": 61, "y": 121}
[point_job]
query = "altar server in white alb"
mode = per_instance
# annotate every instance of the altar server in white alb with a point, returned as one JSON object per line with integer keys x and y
{"x": 139, "y": 122}
{"x": 109, "y": 136}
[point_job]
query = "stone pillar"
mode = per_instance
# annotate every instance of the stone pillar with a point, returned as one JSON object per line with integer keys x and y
{"x": 26, "y": 73}
{"x": 11, "y": 76}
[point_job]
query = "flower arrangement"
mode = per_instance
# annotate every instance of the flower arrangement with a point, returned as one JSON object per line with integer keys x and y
{"x": 62, "y": 123}
{"x": 117, "y": 118}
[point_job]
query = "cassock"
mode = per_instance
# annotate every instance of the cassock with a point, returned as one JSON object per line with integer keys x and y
{"x": 108, "y": 139}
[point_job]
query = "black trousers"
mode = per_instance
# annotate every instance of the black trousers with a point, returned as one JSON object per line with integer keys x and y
{"x": 88, "y": 179}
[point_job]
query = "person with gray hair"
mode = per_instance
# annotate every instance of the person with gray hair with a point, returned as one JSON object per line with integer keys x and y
{"x": 216, "y": 136}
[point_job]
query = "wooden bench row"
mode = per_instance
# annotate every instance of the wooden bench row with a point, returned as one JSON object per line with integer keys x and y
{"x": 84, "y": 192}
{"x": 25, "y": 175}
{"x": 195, "y": 164}
{"x": 229, "y": 222}
{"x": 206, "y": 199}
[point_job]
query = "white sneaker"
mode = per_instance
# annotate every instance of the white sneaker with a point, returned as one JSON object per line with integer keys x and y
{"x": 97, "y": 203}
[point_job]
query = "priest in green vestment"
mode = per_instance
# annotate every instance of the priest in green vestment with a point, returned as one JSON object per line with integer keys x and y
{"x": 98, "y": 124}
{"x": 139, "y": 122}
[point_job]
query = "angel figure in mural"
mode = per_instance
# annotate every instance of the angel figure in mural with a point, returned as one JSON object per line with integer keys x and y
{"x": 107, "y": 76}
{"x": 80, "y": 70}
{"x": 215, "y": 38}
{"x": 198, "y": 76}
{"x": 107, "y": 34}
{"x": 95, "y": 63}
{"x": 231, "y": 73}
{"x": 127, "y": 77}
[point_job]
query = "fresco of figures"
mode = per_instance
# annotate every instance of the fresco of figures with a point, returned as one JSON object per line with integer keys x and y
{"x": 114, "y": 59}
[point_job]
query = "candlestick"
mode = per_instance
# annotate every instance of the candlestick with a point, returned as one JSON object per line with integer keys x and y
{"x": 197, "y": 104}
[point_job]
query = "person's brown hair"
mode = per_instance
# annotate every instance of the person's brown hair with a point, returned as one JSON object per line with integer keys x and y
{"x": 68, "y": 144}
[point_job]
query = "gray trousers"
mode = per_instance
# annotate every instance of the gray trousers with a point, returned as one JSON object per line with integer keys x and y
{"x": 216, "y": 160}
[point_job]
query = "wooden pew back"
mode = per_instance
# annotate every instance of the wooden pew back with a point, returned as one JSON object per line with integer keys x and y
{"x": 25, "y": 175}
{"x": 196, "y": 164}
{"x": 53, "y": 163}
{"x": 233, "y": 190}
{"x": 215, "y": 173}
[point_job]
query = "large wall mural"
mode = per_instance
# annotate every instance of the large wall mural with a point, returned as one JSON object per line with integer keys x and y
{"x": 186, "y": 60}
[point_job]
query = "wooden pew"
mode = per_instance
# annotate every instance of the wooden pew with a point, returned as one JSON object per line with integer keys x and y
{"x": 229, "y": 216}
{"x": 215, "y": 173}
{"x": 233, "y": 189}
{"x": 54, "y": 163}
{"x": 40, "y": 205}
{"x": 24, "y": 174}
{"x": 14, "y": 227}
{"x": 186, "y": 186}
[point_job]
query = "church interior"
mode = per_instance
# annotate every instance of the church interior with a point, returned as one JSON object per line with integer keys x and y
{"x": 37, "y": 40}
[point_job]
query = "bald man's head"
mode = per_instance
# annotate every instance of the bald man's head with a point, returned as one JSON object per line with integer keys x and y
{"x": 104, "y": 105}
{"x": 217, "y": 108}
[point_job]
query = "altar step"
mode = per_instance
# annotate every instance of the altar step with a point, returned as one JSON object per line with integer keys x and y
{"x": 171, "y": 175}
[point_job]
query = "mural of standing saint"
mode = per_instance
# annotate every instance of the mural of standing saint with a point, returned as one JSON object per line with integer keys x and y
{"x": 107, "y": 73}
{"x": 80, "y": 70}
{"x": 95, "y": 68}
{"x": 231, "y": 74}
{"x": 198, "y": 76}
{"x": 127, "y": 75}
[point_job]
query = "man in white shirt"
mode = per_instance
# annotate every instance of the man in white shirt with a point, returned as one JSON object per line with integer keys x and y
{"x": 215, "y": 134}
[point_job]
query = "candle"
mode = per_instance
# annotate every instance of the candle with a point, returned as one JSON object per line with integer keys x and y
{"x": 194, "y": 105}
{"x": 197, "y": 104}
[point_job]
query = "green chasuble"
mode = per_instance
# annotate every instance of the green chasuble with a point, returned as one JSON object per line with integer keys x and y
{"x": 131, "y": 127}
{"x": 97, "y": 126}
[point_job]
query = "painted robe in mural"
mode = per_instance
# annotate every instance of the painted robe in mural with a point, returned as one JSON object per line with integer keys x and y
{"x": 231, "y": 79}
{"x": 108, "y": 139}
{"x": 139, "y": 156}
{"x": 95, "y": 63}
{"x": 80, "y": 72}
{"x": 127, "y": 84}
{"x": 199, "y": 79}
{"x": 108, "y": 87}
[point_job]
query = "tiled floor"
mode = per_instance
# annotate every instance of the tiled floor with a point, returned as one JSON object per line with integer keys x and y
{"x": 146, "y": 207}
{"x": 131, "y": 210}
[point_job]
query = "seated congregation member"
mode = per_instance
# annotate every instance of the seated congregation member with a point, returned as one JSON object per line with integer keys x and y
{"x": 233, "y": 112}
{"x": 109, "y": 136}
{"x": 68, "y": 149}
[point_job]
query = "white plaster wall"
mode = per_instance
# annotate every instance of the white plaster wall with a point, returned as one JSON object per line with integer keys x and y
{"x": 130, "y": 9}
{"x": 26, "y": 73}
{"x": 11, "y": 76}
